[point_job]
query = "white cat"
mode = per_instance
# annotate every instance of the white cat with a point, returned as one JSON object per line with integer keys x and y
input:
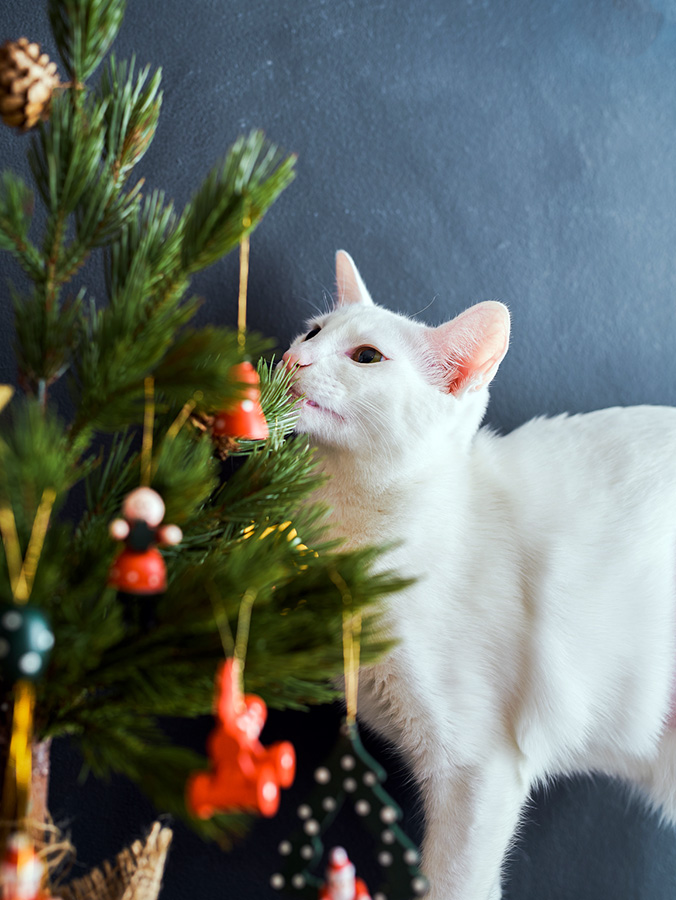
{"x": 540, "y": 636}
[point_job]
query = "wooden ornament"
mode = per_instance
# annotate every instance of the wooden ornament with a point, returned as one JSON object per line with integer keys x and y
{"x": 26, "y": 640}
{"x": 21, "y": 871}
{"x": 350, "y": 777}
{"x": 139, "y": 568}
{"x": 244, "y": 419}
{"x": 245, "y": 775}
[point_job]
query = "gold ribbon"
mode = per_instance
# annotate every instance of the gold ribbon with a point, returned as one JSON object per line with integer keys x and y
{"x": 243, "y": 282}
{"x": 20, "y": 763}
{"x": 18, "y": 774}
{"x": 237, "y": 646}
{"x": 148, "y": 422}
{"x": 351, "y": 647}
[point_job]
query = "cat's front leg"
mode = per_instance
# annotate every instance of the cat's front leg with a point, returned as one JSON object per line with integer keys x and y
{"x": 471, "y": 815}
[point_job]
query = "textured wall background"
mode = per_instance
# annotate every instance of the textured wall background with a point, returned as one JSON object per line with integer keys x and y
{"x": 460, "y": 151}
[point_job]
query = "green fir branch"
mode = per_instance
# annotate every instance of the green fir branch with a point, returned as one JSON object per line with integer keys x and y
{"x": 36, "y": 454}
{"x": 245, "y": 185}
{"x": 125, "y": 743}
{"x": 84, "y": 31}
{"x": 65, "y": 154}
{"x": 132, "y": 113}
{"x": 16, "y": 212}
{"x": 249, "y": 527}
{"x": 46, "y": 335}
{"x": 199, "y": 364}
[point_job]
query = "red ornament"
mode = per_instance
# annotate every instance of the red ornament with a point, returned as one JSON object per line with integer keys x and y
{"x": 139, "y": 568}
{"x": 21, "y": 871}
{"x": 244, "y": 419}
{"x": 341, "y": 881}
{"x": 139, "y": 573}
{"x": 245, "y": 774}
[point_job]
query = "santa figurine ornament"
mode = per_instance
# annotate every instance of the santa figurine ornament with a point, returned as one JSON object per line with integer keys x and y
{"x": 341, "y": 881}
{"x": 21, "y": 871}
{"x": 139, "y": 570}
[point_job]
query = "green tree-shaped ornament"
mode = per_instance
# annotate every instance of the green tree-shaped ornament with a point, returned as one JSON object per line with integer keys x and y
{"x": 350, "y": 776}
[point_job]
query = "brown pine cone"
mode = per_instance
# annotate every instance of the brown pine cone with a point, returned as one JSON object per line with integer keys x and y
{"x": 224, "y": 445}
{"x": 27, "y": 82}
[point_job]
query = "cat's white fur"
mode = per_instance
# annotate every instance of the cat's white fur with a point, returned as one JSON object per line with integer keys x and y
{"x": 540, "y": 635}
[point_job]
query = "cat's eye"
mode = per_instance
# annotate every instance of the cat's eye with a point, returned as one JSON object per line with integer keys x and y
{"x": 312, "y": 333}
{"x": 367, "y": 355}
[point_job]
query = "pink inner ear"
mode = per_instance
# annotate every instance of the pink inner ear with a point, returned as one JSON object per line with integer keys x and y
{"x": 471, "y": 347}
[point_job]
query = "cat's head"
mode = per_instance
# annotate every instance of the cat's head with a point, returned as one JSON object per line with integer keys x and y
{"x": 372, "y": 381}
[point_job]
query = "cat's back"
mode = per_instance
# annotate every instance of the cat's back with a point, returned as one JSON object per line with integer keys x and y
{"x": 600, "y": 470}
{"x": 618, "y": 445}
{"x": 583, "y": 513}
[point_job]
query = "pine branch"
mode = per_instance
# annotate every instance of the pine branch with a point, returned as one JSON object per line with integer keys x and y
{"x": 65, "y": 155}
{"x": 131, "y": 746}
{"x": 35, "y": 454}
{"x": 83, "y": 31}
{"x": 254, "y": 534}
{"x": 200, "y": 363}
{"x": 113, "y": 362}
{"x": 268, "y": 485}
{"x": 185, "y": 474}
{"x": 16, "y": 211}
{"x": 132, "y": 113}
{"x": 64, "y": 159}
{"x": 252, "y": 176}
{"x": 45, "y": 338}
{"x": 147, "y": 248}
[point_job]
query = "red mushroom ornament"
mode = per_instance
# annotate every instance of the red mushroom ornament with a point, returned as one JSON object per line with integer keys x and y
{"x": 245, "y": 774}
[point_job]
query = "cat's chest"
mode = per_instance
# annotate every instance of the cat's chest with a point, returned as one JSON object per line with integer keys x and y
{"x": 360, "y": 517}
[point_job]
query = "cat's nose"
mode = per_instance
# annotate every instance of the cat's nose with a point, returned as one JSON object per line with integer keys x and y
{"x": 292, "y": 361}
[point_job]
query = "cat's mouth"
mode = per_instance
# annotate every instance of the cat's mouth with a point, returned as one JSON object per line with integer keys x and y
{"x": 304, "y": 401}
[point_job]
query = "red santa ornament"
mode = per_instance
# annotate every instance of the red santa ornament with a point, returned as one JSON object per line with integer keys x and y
{"x": 341, "y": 881}
{"x": 139, "y": 570}
{"x": 21, "y": 871}
{"x": 245, "y": 774}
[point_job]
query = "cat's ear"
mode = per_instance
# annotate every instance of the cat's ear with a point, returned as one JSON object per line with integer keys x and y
{"x": 349, "y": 286}
{"x": 472, "y": 346}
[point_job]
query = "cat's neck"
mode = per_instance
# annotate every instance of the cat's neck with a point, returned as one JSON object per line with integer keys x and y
{"x": 370, "y": 498}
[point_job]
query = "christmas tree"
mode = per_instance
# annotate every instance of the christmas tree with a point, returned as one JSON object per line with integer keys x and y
{"x": 120, "y": 391}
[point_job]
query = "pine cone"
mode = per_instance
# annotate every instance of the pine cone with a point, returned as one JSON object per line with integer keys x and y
{"x": 27, "y": 81}
{"x": 224, "y": 445}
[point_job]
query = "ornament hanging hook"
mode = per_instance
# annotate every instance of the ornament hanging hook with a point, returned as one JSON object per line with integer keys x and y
{"x": 235, "y": 646}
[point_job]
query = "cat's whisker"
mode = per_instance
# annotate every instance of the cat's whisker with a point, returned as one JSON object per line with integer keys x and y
{"x": 369, "y": 412}
{"x": 425, "y": 308}
{"x": 314, "y": 306}
{"x": 377, "y": 415}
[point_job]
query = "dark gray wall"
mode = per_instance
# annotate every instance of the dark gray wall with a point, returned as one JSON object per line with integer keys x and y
{"x": 460, "y": 151}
